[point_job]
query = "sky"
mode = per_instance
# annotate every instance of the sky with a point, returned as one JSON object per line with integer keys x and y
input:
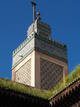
{"x": 16, "y": 15}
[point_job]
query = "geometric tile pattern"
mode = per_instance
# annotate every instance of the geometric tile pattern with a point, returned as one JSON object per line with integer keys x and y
{"x": 50, "y": 74}
{"x": 23, "y": 75}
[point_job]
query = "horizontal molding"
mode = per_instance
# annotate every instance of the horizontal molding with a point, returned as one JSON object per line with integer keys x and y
{"x": 52, "y": 55}
{"x": 13, "y": 66}
{"x": 22, "y": 45}
{"x": 42, "y": 51}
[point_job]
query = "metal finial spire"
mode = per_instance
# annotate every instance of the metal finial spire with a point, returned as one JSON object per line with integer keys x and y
{"x": 34, "y": 13}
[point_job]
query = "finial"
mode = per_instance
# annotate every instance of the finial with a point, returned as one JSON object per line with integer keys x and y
{"x": 34, "y": 13}
{"x": 33, "y": 3}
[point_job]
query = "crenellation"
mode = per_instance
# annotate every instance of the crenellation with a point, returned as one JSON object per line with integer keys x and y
{"x": 22, "y": 45}
{"x": 50, "y": 49}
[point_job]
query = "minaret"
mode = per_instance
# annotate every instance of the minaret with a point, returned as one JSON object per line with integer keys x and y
{"x": 39, "y": 62}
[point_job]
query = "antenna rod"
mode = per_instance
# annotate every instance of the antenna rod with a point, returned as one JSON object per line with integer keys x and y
{"x": 34, "y": 13}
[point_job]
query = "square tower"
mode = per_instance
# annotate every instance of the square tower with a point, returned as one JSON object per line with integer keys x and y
{"x": 39, "y": 61}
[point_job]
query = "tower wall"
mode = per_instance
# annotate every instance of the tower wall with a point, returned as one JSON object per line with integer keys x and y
{"x": 24, "y": 72}
{"x": 50, "y": 71}
{"x": 39, "y": 61}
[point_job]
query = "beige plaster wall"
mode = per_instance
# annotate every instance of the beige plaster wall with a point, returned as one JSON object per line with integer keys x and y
{"x": 32, "y": 57}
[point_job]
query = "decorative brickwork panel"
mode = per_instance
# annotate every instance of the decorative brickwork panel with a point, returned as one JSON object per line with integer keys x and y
{"x": 23, "y": 75}
{"x": 50, "y": 74}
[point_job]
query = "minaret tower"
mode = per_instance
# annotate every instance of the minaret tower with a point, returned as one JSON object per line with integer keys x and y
{"x": 39, "y": 61}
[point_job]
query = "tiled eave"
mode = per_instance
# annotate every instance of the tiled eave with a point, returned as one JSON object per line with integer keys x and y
{"x": 66, "y": 92}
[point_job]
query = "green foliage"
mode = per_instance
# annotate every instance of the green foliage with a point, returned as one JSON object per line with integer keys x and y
{"x": 75, "y": 74}
{"x": 45, "y": 94}
{"x": 4, "y": 83}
